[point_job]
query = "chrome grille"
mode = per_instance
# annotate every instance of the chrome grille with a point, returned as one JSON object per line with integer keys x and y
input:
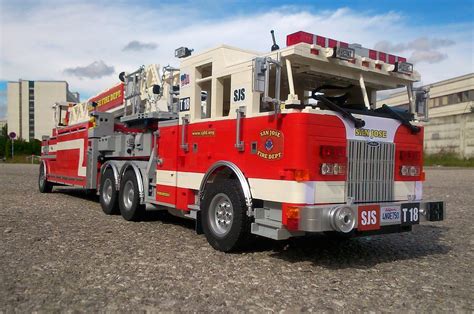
{"x": 370, "y": 171}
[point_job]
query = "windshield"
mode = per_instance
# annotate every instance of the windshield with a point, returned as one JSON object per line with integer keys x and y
{"x": 342, "y": 89}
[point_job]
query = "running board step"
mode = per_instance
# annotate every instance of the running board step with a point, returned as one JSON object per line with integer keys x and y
{"x": 270, "y": 232}
{"x": 266, "y": 225}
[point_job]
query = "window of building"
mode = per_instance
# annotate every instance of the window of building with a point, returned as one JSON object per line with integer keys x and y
{"x": 465, "y": 96}
{"x": 452, "y": 99}
{"x": 431, "y": 103}
{"x": 471, "y": 95}
{"x": 443, "y": 100}
{"x": 31, "y": 108}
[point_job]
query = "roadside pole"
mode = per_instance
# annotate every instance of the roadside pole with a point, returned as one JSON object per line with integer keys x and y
{"x": 12, "y": 136}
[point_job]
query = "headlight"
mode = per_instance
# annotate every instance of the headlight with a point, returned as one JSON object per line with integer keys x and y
{"x": 412, "y": 171}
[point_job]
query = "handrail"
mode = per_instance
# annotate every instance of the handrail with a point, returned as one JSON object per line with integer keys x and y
{"x": 184, "y": 145}
{"x": 239, "y": 144}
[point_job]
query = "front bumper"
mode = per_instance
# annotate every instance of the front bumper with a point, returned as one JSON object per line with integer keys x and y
{"x": 319, "y": 218}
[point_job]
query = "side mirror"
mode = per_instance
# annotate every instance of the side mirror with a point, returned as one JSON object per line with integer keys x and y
{"x": 422, "y": 95}
{"x": 261, "y": 79}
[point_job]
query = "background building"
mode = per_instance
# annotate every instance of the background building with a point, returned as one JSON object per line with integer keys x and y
{"x": 451, "y": 114}
{"x": 29, "y": 112}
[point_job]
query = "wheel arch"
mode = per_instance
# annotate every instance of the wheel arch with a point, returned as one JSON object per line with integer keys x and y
{"x": 131, "y": 166}
{"x": 225, "y": 169}
{"x": 115, "y": 169}
{"x": 45, "y": 164}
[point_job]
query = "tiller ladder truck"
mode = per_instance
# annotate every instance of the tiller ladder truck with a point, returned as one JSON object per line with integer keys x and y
{"x": 280, "y": 144}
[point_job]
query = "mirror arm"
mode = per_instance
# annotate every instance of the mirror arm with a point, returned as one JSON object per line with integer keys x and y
{"x": 267, "y": 79}
{"x": 290, "y": 77}
{"x": 364, "y": 92}
{"x": 411, "y": 101}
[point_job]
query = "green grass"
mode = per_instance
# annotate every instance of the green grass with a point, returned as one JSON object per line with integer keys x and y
{"x": 448, "y": 160}
{"x": 20, "y": 159}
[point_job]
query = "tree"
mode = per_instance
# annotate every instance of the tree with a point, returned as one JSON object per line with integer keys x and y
{"x": 4, "y": 131}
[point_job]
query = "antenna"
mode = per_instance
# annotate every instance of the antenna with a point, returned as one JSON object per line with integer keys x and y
{"x": 275, "y": 46}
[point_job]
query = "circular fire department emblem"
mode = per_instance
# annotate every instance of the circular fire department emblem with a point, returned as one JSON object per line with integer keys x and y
{"x": 270, "y": 146}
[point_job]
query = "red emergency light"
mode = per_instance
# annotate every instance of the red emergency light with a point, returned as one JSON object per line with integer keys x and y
{"x": 304, "y": 37}
{"x": 325, "y": 42}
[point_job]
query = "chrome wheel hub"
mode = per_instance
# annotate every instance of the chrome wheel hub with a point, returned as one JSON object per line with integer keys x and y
{"x": 128, "y": 195}
{"x": 107, "y": 191}
{"x": 221, "y": 214}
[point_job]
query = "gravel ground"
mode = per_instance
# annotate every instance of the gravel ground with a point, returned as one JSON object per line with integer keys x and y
{"x": 60, "y": 252}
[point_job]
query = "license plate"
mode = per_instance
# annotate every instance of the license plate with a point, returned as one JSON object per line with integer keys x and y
{"x": 410, "y": 213}
{"x": 390, "y": 215}
{"x": 369, "y": 217}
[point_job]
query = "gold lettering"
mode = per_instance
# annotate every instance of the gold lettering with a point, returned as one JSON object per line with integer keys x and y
{"x": 371, "y": 133}
{"x": 274, "y": 133}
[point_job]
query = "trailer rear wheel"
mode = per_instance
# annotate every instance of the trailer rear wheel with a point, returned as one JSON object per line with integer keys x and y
{"x": 224, "y": 216}
{"x": 108, "y": 194}
{"x": 129, "y": 198}
{"x": 44, "y": 185}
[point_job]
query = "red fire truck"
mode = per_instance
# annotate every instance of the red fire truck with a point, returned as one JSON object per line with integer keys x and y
{"x": 279, "y": 144}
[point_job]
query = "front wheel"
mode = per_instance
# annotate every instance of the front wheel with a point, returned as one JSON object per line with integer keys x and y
{"x": 224, "y": 216}
{"x": 129, "y": 198}
{"x": 44, "y": 185}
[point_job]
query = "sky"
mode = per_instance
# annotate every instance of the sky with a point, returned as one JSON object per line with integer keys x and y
{"x": 87, "y": 43}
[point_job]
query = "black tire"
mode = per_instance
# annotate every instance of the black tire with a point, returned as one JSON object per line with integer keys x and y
{"x": 129, "y": 198}
{"x": 108, "y": 194}
{"x": 220, "y": 234}
{"x": 44, "y": 185}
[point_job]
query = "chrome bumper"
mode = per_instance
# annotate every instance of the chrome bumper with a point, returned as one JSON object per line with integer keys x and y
{"x": 319, "y": 218}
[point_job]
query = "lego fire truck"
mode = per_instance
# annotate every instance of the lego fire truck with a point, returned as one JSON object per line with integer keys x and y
{"x": 280, "y": 144}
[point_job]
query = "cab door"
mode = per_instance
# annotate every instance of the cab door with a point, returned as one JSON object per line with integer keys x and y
{"x": 166, "y": 169}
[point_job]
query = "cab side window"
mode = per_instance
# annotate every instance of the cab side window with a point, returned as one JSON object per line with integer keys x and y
{"x": 223, "y": 96}
{"x": 204, "y": 84}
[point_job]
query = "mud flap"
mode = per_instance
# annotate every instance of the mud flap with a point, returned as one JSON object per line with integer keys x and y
{"x": 198, "y": 225}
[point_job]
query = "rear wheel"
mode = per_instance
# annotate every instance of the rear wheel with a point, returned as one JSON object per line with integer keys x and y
{"x": 44, "y": 185}
{"x": 129, "y": 198}
{"x": 108, "y": 194}
{"x": 224, "y": 216}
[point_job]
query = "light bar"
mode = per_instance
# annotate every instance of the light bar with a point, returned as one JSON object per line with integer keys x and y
{"x": 303, "y": 37}
{"x": 182, "y": 52}
{"x": 325, "y": 42}
{"x": 403, "y": 67}
{"x": 343, "y": 53}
